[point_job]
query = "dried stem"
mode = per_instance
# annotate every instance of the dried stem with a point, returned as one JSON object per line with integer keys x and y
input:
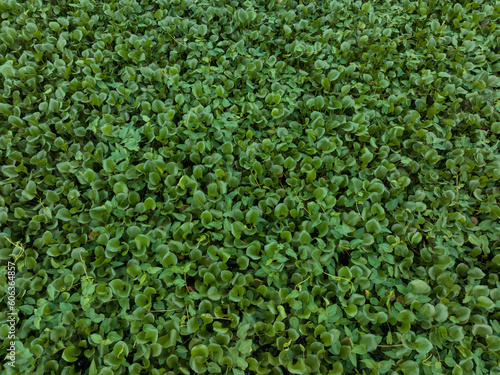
{"x": 18, "y": 244}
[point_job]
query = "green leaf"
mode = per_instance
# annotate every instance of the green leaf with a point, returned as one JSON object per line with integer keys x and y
{"x": 298, "y": 367}
{"x": 252, "y": 216}
{"x": 434, "y": 25}
{"x": 63, "y": 214}
{"x": 237, "y": 228}
{"x": 482, "y": 330}
{"x": 70, "y": 354}
{"x": 193, "y": 325}
{"x": 149, "y": 204}
{"x": 351, "y": 310}
{"x": 373, "y": 226}
{"x": 485, "y": 302}
{"x": 142, "y": 241}
{"x": 422, "y": 345}
{"x": 281, "y": 210}
{"x": 93, "y": 368}
{"x": 337, "y": 369}
{"x": 8, "y": 71}
{"x": 245, "y": 347}
{"x": 199, "y": 198}
{"x": 370, "y": 341}
{"x": 96, "y": 338}
{"x": 304, "y": 238}
{"x": 420, "y": 287}
{"x": 200, "y": 350}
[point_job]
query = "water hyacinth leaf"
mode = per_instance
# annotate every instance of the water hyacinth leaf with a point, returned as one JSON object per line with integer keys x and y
{"x": 370, "y": 341}
{"x": 373, "y": 226}
{"x": 485, "y": 302}
{"x": 199, "y": 198}
{"x": 420, "y": 286}
{"x": 252, "y": 216}
{"x": 281, "y": 210}
{"x": 422, "y": 345}
{"x": 70, "y": 354}
{"x": 206, "y": 217}
{"x": 237, "y": 229}
{"x": 142, "y": 241}
{"x": 64, "y": 214}
{"x": 297, "y": 368}
{"x": 351, "y": 310}
{"x": 149, "y": 204}
{"x": 305, "y": 238}
{"x": 192, "y": 325}
{"x": 96, "y": 338}
{"x": 482, "y": 330}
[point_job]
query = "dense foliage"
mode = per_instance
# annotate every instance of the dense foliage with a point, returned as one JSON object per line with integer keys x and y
{"x": 259, "y": 187}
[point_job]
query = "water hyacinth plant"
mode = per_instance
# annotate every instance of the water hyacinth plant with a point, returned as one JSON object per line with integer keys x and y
{"x": 250, "y": 187}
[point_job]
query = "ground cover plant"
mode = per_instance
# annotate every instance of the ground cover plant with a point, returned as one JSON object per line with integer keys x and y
{"x": 258, "y": 187}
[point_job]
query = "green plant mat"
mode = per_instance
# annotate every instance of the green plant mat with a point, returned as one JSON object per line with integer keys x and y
{"x": 257, "y": 187}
